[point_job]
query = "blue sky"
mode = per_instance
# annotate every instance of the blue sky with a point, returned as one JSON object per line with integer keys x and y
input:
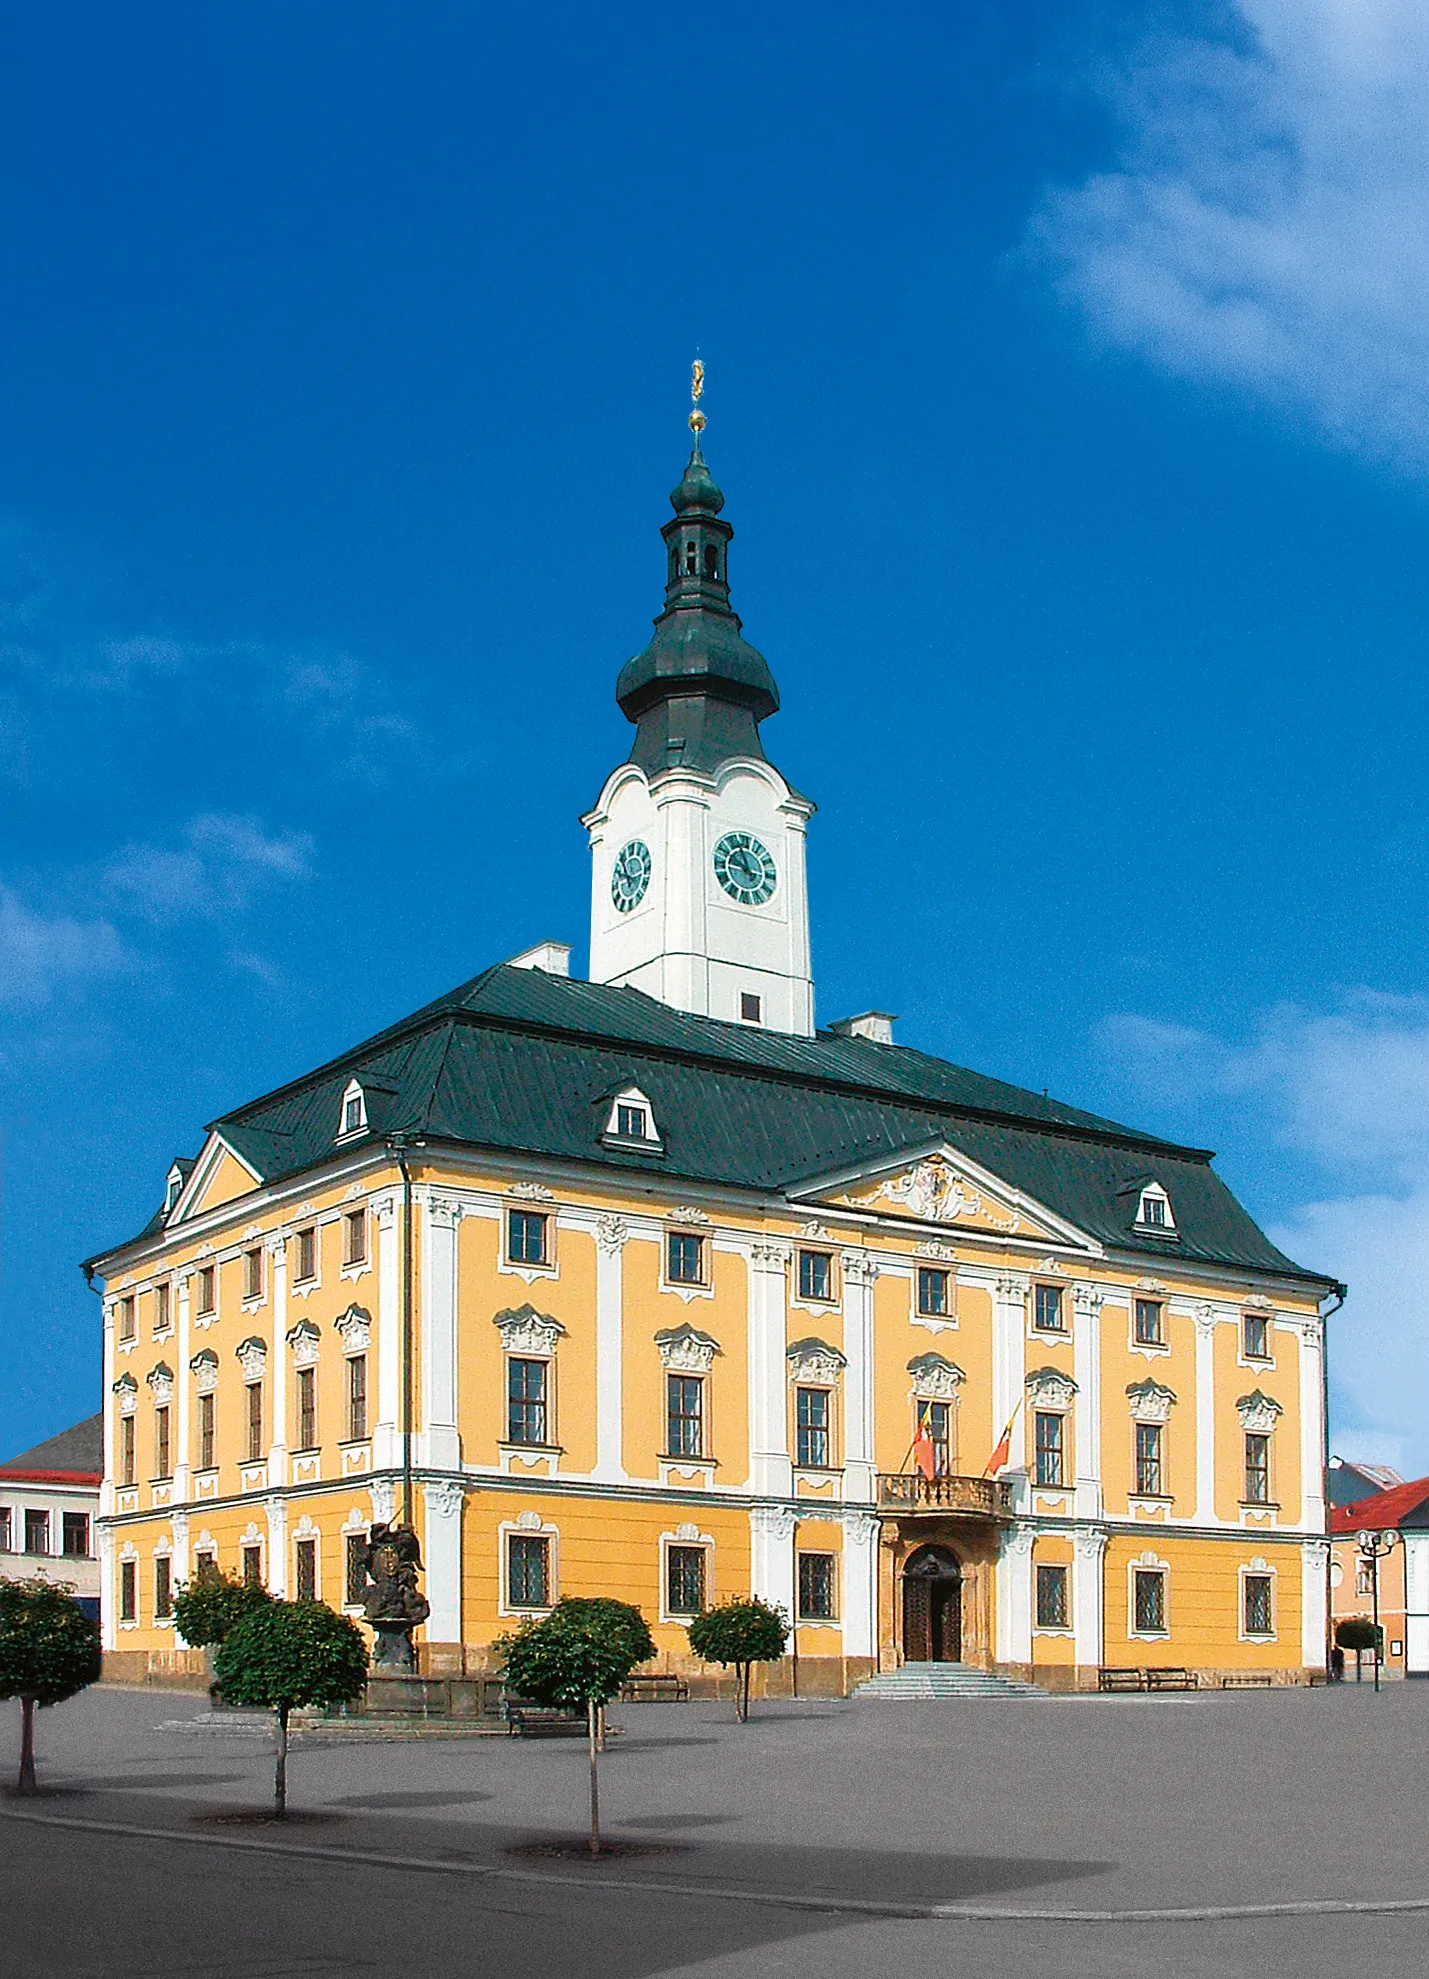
{"x": 1067, "y": 382}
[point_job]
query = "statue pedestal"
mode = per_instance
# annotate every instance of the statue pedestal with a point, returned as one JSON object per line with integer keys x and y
{"x": 405, "y": 1696}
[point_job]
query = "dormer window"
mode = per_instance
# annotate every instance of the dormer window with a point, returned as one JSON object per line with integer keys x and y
{"x": 353, "y": 1117}
{"x": 173, "y": 1189}
{"x": 630, "y": 1122}
{"x": 1153, "y": 1210}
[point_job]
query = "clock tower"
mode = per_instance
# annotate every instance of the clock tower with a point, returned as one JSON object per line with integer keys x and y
{"x": 697, "y": 842}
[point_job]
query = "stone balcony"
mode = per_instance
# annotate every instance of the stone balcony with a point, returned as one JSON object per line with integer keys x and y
{"x": 972, "y": 1497}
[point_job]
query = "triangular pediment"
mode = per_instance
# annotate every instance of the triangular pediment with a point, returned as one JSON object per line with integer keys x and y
{"x": 935, "y": 1184}
{"x": 217, "y": 1177}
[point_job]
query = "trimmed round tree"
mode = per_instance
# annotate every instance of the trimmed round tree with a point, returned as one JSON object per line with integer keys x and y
{"x": 576, "y": 1658}
{"x": 209, "y": 1607}
{"x": 285, "y": 1654}
{"x": 49, "y": 1650}
{"x": 737, "y": 1635}
{"x": 1359, "y": 1633}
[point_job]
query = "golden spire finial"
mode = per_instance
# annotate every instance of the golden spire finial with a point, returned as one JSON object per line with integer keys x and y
{"x": 697, "y": 388}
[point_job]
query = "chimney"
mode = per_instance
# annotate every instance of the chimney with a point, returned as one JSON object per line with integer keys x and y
{"x": 552, "y": 956}
{"x": 875, "y": 1025}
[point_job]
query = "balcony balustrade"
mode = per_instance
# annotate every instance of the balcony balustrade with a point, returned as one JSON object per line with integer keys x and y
{"x": 976, "y": 1497}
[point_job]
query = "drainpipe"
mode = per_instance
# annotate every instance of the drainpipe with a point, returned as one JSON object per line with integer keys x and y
{"x": 1340, "y": 1294}
{"x": 398, "y": 1145}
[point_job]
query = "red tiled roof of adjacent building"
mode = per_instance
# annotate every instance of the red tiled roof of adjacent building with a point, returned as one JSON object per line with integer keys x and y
{"x": 1383, "y": 1508}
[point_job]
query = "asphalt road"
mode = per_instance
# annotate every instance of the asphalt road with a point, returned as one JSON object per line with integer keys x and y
{"x": 981, "y": 1838}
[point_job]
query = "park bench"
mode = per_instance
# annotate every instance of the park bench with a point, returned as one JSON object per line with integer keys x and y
{"x": 1247, "y": 1680}
{"x": 1119, "y": 1680}
{"x": 543, "y": 1721}
{"x": 1164, "y": 1677}
{"x": 655, "y": 1690}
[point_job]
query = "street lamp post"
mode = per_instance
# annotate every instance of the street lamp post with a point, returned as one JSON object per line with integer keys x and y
{"x": 1374, "y": 1546}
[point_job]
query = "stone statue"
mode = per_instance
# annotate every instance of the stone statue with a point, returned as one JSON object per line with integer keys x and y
{"x": 392, "y": 1602}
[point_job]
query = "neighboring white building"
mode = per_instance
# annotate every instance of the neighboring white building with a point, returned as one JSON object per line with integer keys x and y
{"x": 49, "y": 1500}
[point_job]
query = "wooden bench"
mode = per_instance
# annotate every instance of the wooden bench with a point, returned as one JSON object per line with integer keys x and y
{"x": 655, "y": 1690}
{"x": 1120, "y": 1680}
{"x": 1247, "y": 1680}
{"x": 543, "y": 1721}
{"x": 1164, "y": 1677}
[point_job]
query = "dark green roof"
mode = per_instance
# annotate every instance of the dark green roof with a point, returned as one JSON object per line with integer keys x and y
{"x": 522, "y": 1061}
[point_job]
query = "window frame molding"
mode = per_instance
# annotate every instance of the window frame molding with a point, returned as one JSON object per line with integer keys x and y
{"x": 1257, "y": 1568}
{"x": 528, "y": 1204}
{"x": 806, "y": 1301}
{"x": 528, "y": 1525}
{"x": 689, "y": 1288}
{"x": 1148, "y": 1562}
{"x": 1058, "y": 1630}
{"x": 688, "y": 1535}
{"x": 834, "y": 1619}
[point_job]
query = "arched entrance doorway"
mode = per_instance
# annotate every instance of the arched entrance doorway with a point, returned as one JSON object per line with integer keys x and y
{"x": 932, "y": 1606}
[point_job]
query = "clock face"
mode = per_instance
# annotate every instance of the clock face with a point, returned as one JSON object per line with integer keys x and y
{"x": 630, "y": 875}
{"x": 744, "y": 869}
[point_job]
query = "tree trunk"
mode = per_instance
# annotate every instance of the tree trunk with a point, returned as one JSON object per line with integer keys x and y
{"x": 600, "y": 1728}
{"x": 280, "y": 1775}
{"x": 741, "y": 1692}
{"x": 591, "y": 1711}
{"x": 27, "y": 1745}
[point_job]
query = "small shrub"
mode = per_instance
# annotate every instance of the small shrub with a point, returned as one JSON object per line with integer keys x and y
{"x": 740, "y": 1634}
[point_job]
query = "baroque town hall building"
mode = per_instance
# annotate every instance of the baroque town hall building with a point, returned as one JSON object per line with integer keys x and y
{"x": 646, "y": 1286}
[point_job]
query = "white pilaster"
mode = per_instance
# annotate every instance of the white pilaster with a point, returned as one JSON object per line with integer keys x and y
{"x": 439, "y": 1444}
{"x": 183, "y": 1388}
{"x": 770, "y": 1469}
{"x": 1416, "y": 1604}
{"x": 441, "y": 1555}
{"x": 278, "y": 1543}
{"x": 106, "y": 1489}
{"x": 1088, "y": 1596}
{"x": 1009, "y": 1357}
{"x": 1312, "y": 1425}
{"x": 1315, "y": 1559}
{"x": 860, "y": 1271}
{"x": 771, "y": 1555}
{"x": 611, "y": 1234}
{"x": 1205, "y": 1318}
{"x": 386, "y": 1432}
{"x": 1014, "y": 1596}
{"x": 859, "y": 1598}
{"x": 278, "y": 1362}
{"x": 109, "y": 1590}
{"x": 1087, "y": 1419}
{"x": 180, "y": 1555}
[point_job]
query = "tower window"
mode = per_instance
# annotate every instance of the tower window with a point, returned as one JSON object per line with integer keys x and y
{"x": 751, "y": 1007}
{"x": 711, "y": 560}
{"x": 692, "y": 568}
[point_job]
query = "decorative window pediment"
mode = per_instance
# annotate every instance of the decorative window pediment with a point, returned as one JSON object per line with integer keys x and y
{"x": 630, "y": 1122}
{"x": 252, "y": 1355}
{"x": 685, "y": 1350}
{"x": 934, "y": 1378}
{"x": 1258, "y": 1413}
{"x": 814, "y": 1360}
{"x": 523, "y": 1330}
{"x": 204, "y": 1369}
{"x": 303, "y": 1339}
{"x": 161, "y": 1381}
{"x": 1049, "y": 1388}
{"x": 127, "y": 1389}
{"x": 1150, "y": 1401}
{"x": 355, "y": 1328}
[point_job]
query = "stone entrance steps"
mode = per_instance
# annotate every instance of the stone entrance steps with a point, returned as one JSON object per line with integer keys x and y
{"x": 944, "y": 1680}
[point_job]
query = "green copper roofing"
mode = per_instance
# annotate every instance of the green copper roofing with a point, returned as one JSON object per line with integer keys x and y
{"x": 519, "y": 1061}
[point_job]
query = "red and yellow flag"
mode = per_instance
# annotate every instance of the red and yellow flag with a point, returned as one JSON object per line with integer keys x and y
{"x": 1002, "y": 1449}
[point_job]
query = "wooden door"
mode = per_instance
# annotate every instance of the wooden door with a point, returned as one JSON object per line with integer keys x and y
{"x": 945, "y": 1620}
{"x": 917, "y": 1620}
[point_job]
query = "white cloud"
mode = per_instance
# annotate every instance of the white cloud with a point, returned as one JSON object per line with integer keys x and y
{"x": 41, "y": 954}
{"x": 1350, "y": 1089}
{"x": 220, "y": 863}
{"x": 1267, "y": 223}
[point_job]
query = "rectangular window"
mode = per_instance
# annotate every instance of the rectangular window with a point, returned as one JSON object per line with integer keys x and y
{"x": 1257, "y": 1468}
{"x": 6, "y": 1530}
{"x": 307, "y": 1408}
{"x": 127, "y": 1470}
{"x": 1364, "y": 1579}
{"x": 37, "y": 1532}
{"x": 1256, "y": 1596}
{"x": 750, "y": 1006}
{"x": 205, "y": 1566}
{"x": 1149, "y": 1474}
{"x": 128, "y": 1590}
{"x": 525, "y": 1401}
{"x": 76, "y": 1535}
{"x": 356, "y": 1397}
{"x": 933, "y": 1290}
{"x": 307, "y": 1255}
{"x": 1153, "y": 1210}
{"x": 251, "y": 1563}
{"x": 1047, "y": 1436}
{"x": 1149, "y": 1601}
{"x": 684, "y": 1415}
{"x": 684, "y": 1580}
{"x": 811, "y": 1428}
{"x": 1047, "y": 1309}
{"x": 1256, "y": 1336}
{"x": 528, "y": 1571}
{"x": 163, "y": 1588}
{"x": 163, "y": 1307}
{"x": 1148, "y": 1323}
{"x": 525, "y": 1236}
{"x": 253, "y": 1422}
{"x": 937, "y": 1419}
{"x": 684, "y": 1258}
{"x": 126, "y": 1319}
{"x": 306, "y": 1560}
{"x": 630, "y": 1123}
{"x": 352, "y": 1115}
{"x": 207, "y": 1288}
{"x": 205, "y": 1432}
{"x": 355, "y": 1564}
{"x": 1052, "y": 1597}
{"x": 816, "y": 1587}
{"x": 354, "y": 1237}
{"x": 162, "y": 1465}
{"x": 816, "y": 1275}
{"x": 253, "y": 1273}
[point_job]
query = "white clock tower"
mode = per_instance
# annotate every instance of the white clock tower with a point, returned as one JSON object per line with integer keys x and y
{"x": 697, "y": 842}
